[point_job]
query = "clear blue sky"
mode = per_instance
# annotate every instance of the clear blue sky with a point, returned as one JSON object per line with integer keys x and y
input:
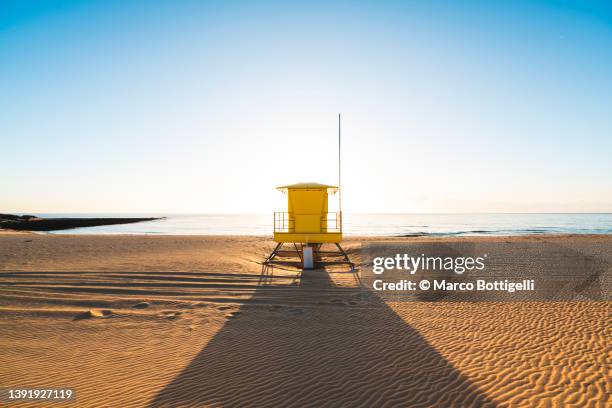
{"x": 178, "y": 106}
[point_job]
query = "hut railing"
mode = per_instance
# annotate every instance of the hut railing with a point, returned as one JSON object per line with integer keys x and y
{"x": 284, "y": 222}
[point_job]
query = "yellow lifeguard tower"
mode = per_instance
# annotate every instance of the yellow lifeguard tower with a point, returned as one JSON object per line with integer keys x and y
{"x": 307, "y": 219}
{"x": 307, "y": 224}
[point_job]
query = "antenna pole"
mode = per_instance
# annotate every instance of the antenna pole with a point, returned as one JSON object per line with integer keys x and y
{"x": 339, "y": 170}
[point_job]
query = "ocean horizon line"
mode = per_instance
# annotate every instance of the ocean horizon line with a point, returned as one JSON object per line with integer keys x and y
{"x": 37, "y": 213}
{"x": 356, "y": 224}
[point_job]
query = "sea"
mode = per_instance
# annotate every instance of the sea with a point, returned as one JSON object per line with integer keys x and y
{"x": 359, "y": 224}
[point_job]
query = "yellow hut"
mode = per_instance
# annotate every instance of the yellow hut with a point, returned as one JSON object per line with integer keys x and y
{"x": 308, "y": 224}
{"x": 307, "y": 219}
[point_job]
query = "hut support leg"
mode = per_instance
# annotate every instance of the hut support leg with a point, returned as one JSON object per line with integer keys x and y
{"x": 273, "y": 254}
{"x": 344, "y": 254}
{"x": 298, "y": 252}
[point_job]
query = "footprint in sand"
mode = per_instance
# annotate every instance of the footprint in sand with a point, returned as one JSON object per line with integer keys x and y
{"x": 93, "y": 314}
{"x": 186, "y": 306}
{"x": 233, "y": 315}
{"x": 363, "y": 296}
{"x": 170, "y": 314}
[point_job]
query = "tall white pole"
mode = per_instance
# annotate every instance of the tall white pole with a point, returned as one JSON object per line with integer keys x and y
{"x": 339, "y": 169}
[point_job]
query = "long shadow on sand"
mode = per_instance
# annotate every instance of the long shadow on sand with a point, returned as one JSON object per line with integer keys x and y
{"x": 317, "y": 344}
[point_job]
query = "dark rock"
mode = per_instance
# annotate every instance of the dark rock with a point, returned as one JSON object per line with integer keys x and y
{"x": 31, "y": 223}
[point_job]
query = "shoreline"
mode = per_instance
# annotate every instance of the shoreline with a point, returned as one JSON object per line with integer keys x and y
{"x": 358, "y": 225}
{"x": 349, "y": 238}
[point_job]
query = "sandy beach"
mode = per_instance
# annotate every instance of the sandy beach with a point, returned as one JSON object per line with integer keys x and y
{"x": 186, "y": 321}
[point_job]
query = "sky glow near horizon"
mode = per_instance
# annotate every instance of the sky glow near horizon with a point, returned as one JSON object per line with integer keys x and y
{"x": 169, "y": 107}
